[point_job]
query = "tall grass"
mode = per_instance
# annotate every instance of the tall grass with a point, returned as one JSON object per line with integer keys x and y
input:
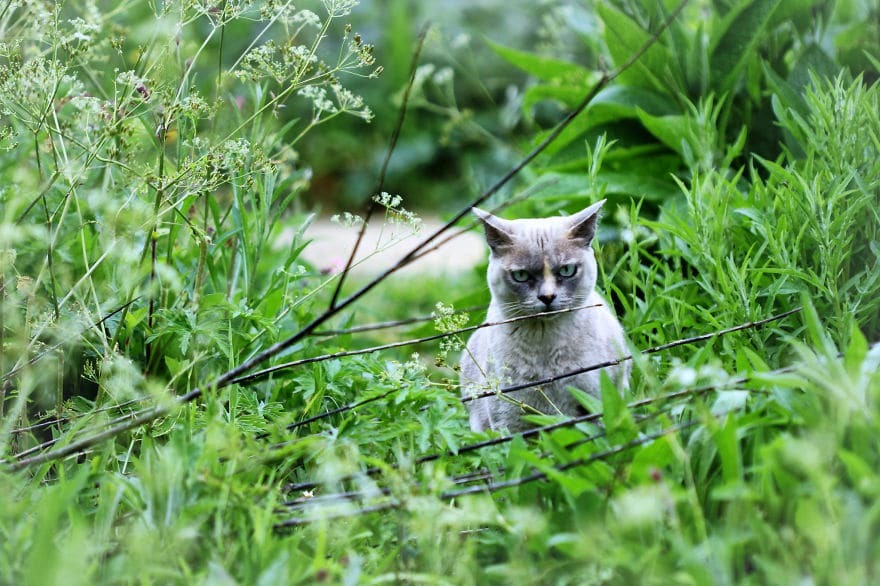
{"x": 139, "y": 210}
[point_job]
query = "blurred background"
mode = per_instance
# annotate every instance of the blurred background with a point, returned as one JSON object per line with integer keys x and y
{"x": 464, "y": 125}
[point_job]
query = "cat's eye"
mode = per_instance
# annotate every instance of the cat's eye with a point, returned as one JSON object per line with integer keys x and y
{"x": 567, "y": 270}
{"x": 520, "y": 276}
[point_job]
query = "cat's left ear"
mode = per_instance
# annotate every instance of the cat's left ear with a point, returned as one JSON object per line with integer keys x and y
{"x": 582, "y": 225}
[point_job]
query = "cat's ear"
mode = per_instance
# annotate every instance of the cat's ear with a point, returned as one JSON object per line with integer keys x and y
{"x": 582, "y": 225}
{"x": 497, "y": 232}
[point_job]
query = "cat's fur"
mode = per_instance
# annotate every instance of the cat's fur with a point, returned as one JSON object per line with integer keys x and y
{"x": 535, "y": 349}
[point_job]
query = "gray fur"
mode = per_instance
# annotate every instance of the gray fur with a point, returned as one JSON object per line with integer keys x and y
{"x": 531, "y": 350}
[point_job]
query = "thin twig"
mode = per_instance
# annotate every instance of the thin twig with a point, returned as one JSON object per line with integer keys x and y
{"x": 72, "y": 417}
{"x": 390, "y": 324}
{"x": 517, "y": 387}
{"x": 267, "y": 371}
{"x": 572, "y": 421}
{"x": 380, "y": 179}
{"x": 497, "y": 486}
{"x": 223, "y": 380}
{"x": 609, "y": 363}
{"x": 306, "y": 500}
{"x": 543, "y": 184}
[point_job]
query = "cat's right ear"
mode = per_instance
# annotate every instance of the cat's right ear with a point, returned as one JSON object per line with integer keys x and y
{"x": 497, "y": 234}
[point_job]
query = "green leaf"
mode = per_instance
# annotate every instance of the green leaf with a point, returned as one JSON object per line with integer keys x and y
{"x": 728, "y": 450}
{"x": 787, "y": 96}
{"x": 813, "y": 61}
{"x": 860, "y": 473}
{"x": 619, "y": 424}
{"x": 612, "y": 104}
{"x": 633, "y": 184}
{"x": 545, "y": 68}
{"x": 651, "y": 458}
{"x": 856, "y": 351}
{"x": 738, "y": 37}
{"x": 624, "y": 37}
{"x": 590, "y": 403}
{"x": 670, "y": 130}
{"x": 569, "y": 96}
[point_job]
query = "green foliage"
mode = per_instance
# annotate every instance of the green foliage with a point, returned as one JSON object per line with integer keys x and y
{"x": 141, "y": 207}
{"x": 701, "y": 97}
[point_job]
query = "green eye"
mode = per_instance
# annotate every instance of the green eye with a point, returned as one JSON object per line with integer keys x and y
{"x": 520, "y": 276}
{"x": 567, "y": 270}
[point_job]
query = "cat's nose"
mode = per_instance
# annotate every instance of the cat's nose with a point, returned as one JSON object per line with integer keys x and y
{"x": 547, "y": 298}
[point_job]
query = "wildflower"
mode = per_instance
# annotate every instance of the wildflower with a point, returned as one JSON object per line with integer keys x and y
{"x": 346, "y": 219}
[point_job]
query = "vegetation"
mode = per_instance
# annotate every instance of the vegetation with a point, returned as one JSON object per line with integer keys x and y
{"x": 152, "y": 153}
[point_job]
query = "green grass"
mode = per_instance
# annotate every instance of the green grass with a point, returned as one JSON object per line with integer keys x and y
{"x": 137, "y": 266}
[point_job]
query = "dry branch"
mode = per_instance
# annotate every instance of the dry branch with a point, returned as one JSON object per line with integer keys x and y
{"x": 390, "y": 324}
{"x": 306, "y": 501}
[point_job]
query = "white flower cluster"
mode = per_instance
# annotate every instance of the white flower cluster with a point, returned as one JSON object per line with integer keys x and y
{"x": 320, "y": 102}
{"x": 447, "y": 321}
{"x": 387, "y": 200}
{"x": 351, "y": 103}
{"x": 346, "y": 102}
{"x": 25, "y": 89}
{"x": 396, "y": 213}
{"x": 337, "y": 8}
{"x": 236, "y": 153}
{"x": 82, "y": 32}
{"x": 130, "y": 79}
{"x": 298, "y": 55}
{"x": 193, "y": 106}
{"x": 347, "y": 219}
{"x": 306, "y": 18}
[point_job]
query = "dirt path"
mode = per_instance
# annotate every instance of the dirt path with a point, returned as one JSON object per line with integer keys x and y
{"x": 384, "y": 244}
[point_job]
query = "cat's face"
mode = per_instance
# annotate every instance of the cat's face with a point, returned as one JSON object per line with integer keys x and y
{"x": 541, "y": 265}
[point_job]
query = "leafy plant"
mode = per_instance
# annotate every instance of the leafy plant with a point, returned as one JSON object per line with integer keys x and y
{"x": 139, "y": 289}
{"x": 700, "y": 98}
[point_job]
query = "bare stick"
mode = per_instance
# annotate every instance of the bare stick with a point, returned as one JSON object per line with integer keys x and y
{"x": 380, "y": 180}
{"x": 223, "y": 380}
{"x": 390, "y": 324}
{"x": 496, "y": 486}
{"x": 65, "y": 419}
{"x": 305, "y": 501}
{"x": 267, "y": 371}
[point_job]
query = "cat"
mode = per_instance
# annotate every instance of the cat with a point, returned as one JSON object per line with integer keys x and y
{"x": 535, "y": 266}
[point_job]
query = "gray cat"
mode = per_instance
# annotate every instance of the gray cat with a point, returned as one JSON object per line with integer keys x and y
{"x": 540, "y": 265}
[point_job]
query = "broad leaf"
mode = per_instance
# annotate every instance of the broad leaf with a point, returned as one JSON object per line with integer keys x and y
{"x": 613, "y": 104}
{"x": 670, "y": 130}
{"x": 738, "y": 36}
{"x": 624, "y": 38}
{"x": 545, "y": 68}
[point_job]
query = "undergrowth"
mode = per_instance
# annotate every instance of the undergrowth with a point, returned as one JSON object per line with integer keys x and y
{"x": 141, "y": 202}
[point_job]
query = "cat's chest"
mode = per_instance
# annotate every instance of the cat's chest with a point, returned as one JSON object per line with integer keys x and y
{"x": 537, "y": 354}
